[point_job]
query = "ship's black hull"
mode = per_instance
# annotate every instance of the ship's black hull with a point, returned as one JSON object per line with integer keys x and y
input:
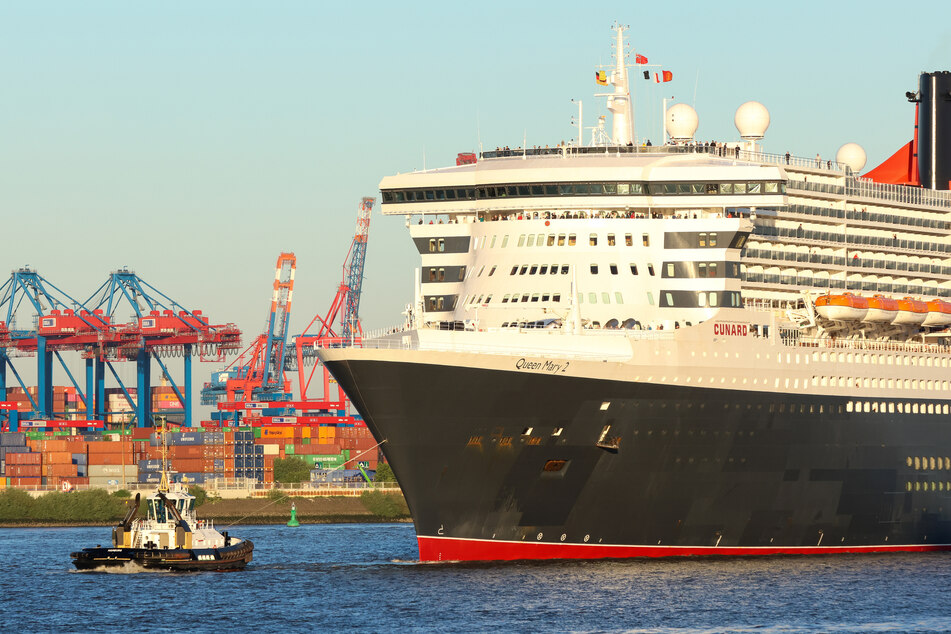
{"x": 232, "y": 557}
{"x": 681, "y": 470}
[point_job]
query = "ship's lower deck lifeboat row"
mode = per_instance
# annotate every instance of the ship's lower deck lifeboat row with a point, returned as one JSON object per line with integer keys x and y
{"x": 880, "y": 309}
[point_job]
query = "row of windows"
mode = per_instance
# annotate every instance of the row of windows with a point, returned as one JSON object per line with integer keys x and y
{"x": 701, "y": 299}
{"x": 932, "y": 463}
{"x": 783, "y": 255}
{"x": 880, "y": 383}
{"x": 924, "y": 486}
{"x": 890, "y": 407}
{"x": 857, "y": 214}
{"x": 529, "y": 240}
{"x": 852, "y": 285}
{"x": 436, "y": 303}
{"x": 438, "y": 274}
{"x": 873, "y": 359}
{"x": 613, "y": 188}
{"x": 862, "y": 240}
{"x": 539, "y": 269}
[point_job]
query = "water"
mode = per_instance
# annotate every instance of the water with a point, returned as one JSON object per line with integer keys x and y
{"x": 364, "y": 577}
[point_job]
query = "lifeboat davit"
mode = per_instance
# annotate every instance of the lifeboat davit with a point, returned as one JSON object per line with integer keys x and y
{"x": 882, "y": 309}
{"x": 911, "y": 312}
{"x": 844, "y": 307}
{"x": 939, "y": 313}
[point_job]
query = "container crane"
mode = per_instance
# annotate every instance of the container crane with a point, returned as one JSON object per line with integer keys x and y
{"x": 259, "y": 372}
{"x": 348, "y": 297}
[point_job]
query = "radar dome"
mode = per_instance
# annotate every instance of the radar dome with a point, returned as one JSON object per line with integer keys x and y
{"x": 751, "y": 119}
{"x": 682, "y": 122}
{"x": 853, "y": 155}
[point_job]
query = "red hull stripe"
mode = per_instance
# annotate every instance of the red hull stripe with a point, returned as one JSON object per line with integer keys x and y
{"x": 451, "y": 549}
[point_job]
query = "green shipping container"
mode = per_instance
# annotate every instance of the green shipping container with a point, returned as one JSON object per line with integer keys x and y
{"x": 325, "y": 462}
{"x": 257, "y": 432}
{"x": 289, "y": 450}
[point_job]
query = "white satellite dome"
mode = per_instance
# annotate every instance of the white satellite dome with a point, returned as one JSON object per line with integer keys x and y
{"x": 751, "y": 119}
{"x": 853, "y": 155}
{"x": 682, "y": 122}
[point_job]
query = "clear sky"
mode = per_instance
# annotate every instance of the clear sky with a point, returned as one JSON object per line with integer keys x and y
{"x": 194, "y": 141}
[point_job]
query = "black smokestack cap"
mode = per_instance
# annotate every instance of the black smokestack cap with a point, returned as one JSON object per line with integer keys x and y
{"x": 934, "y": 130}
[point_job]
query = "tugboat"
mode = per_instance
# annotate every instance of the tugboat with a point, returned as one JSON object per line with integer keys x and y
{"x": 170, "y": 537}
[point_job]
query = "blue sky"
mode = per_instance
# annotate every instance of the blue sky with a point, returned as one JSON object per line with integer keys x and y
{"x": 194, "y": 141}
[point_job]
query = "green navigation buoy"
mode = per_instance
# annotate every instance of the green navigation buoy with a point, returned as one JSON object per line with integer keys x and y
{"x": 293, "y": 521}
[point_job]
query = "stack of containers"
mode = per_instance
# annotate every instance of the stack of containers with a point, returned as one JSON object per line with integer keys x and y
{"x": 24, "y": 468}
{"x": 10, "y": 443}
{"x": 111, "y": 462}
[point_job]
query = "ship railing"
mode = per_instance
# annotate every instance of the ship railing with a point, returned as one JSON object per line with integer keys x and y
{"x": 866, "y": 345}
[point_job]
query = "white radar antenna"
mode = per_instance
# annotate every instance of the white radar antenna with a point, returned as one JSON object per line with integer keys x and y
{"x": 619, "y": 102}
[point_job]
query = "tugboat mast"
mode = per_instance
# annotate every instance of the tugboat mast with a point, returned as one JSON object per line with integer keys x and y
{"x": 163, "y": 483}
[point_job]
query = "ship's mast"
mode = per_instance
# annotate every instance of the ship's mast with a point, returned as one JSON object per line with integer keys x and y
{"x": 163, "y": 432}
{"x": 619, "y": 103}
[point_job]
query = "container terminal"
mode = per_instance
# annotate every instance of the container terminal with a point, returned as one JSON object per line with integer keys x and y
{"x": 87, "y": 434}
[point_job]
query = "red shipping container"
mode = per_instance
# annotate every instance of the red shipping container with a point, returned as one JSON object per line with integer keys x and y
{"x": 76, "y": 446}
{"x": 23, "y": 482}
{"x": 24, "y": 459}
{"x": 112, "y": 459}
{"x": 106, "y": 446}
{"x": 58, "y": 457}
{"x": 62, "y": 470}
{"x": 24, "y": 470}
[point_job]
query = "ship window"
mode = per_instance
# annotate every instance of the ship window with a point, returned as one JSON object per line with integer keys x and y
{"x": 628, "y": 240}
{"x": 593, "y": 240}
{"x": 712, "y": 188}
{"x": 545, "y": 297}
{"x": 432, "y": 275}
{"x": 556, "y": 297}
{"x": 771, "y": 188}
{"x": 739, "y": 188}
{"x": 726, "y": 188}
{"x": 610, "y": 239}
{"x": 670, "y": 269}
{"x": 646, "y": 240}
{"x": 440, "y": 303}
{"x": 755, "y": 188}
{"x": 594, "y": 269}
{"x": 702, "y": 299}
{"x": 535, "y": 297}
{"x": 442, "y": 275}
{"x": 527, "y": 431}
{"x": 523, "y": 270}
{"x": 561, "y": 239}
{"x": 505, "y": 241}
{"x": 564, "y": 269}
{"x": 650, "y": 298}
{"x": 702, "y": 239}
{"x": 521, "y": 240}
{"x": 432, "y": 245}
{"x": 492, "y": 270}
{"x": 670, "y": 298}
{"x": 712, "y": 269}
{"x": 650, "y": 269}
{"x": 505, "y": 298}
{"x": 613, "y": 268}
{"x": 592, "y": 298}
{"x": 543, "y": 270}
{"x": 554, "y": 269}
{"x": 618, "y": 298}
{"x": 572, "y": 239}
{"x": 525, "y": 297}
{"x": 554, "y": 466}
{"x": 533, "y": 270}
{"x": 514, "y": 270}
{"x": 605, "y": 298}
{"x": 633, "y": 269}
{"x": 551, "y": 239}
{"x": 531, "y": 241}
{"x": 442, "y": 245}
{"x": 713, "y": 239}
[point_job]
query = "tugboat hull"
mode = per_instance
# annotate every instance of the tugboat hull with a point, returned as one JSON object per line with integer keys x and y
{"x": 232, "y": 557}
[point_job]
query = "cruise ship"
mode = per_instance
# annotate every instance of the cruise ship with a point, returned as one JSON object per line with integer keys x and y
{"x": 686, "y": 349}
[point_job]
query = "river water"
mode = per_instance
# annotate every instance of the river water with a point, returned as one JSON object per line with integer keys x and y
{"x": 365, "y": 577}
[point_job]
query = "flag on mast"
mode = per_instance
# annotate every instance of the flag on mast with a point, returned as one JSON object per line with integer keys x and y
{"x": 640, "y": 59}
{"x": 601, "y": 77}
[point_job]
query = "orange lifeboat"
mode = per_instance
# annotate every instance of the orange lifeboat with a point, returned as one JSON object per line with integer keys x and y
{"x": 939, "y": 313}
{"x": 844, "y": 307}
{"x": 881, "y": 309}
{"x": 911, "y": 312}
